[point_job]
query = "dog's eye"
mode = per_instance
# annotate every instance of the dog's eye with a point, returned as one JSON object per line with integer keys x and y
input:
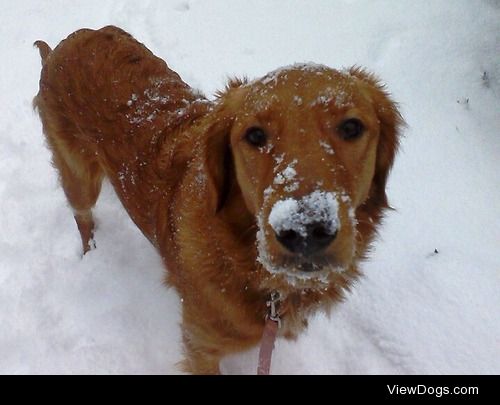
{"x": 256, "y": 136}
{"x": 350, "y": 129}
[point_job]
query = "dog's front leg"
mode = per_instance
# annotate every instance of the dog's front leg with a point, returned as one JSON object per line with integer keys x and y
{"x": 199, "y": 357}
{"x": 200, "y": 360}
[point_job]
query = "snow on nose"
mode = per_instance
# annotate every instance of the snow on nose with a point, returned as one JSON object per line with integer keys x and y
{"x": 319, "y": 207}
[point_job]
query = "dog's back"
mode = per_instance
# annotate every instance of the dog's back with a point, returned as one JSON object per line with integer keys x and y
{"x": 107, "y": 104}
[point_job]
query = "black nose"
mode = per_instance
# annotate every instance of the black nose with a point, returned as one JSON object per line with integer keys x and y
{"x": 316, "y": 237}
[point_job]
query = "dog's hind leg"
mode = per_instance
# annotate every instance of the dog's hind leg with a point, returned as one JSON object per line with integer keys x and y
{"x": 79, "y": 171}
{"x": 81, "y": 178}
{"x": 74, "y": 157}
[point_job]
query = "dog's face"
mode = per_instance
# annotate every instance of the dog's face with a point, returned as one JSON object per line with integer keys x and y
{"x": 310, "y": 146}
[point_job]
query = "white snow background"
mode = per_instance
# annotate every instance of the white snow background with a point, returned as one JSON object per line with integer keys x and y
{"x": 415, "y": 311}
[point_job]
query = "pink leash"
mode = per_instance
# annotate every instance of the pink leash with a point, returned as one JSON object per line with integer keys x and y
{"x": 273, "y": 322}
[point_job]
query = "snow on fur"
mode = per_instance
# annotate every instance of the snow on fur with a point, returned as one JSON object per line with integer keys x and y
{"x": 413, "y": 312}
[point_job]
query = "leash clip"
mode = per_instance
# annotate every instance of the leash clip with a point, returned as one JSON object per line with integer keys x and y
{"x": 272, "y": 304}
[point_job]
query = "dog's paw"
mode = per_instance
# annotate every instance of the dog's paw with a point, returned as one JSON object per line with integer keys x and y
{"x": 90, "y": 245}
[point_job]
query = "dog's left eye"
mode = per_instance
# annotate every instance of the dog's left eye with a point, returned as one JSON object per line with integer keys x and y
{"x": 256, "y": 136}
{"x": 351, "y": 129}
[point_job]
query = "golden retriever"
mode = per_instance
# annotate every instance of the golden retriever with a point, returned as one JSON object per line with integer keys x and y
{"x": 276, "y": 185}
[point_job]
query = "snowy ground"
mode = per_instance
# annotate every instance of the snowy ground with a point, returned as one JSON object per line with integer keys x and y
{"x": 414, "y": 312}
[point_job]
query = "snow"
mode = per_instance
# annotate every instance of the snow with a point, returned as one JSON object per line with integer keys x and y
{"x": 414, "y": 311}
{"x": 327, "y": 147}
{"x": 271, "y": 79}
{"x": 294, "y": 215}
{"x": 340, "y": 98}
{"x": 298, "y": 100}
{"x": 287, "y": 176}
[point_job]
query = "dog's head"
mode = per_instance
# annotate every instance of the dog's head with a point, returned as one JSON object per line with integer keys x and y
{"x": 310, "y": 149}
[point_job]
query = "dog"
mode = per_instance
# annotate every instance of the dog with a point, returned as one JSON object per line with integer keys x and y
{"x": 274, "y": 185}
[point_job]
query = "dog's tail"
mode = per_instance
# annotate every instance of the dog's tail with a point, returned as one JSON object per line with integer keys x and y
{"x": 44, "y": 50}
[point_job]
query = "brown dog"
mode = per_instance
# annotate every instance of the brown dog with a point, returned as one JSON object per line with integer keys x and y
{"x": 277, "y": 185}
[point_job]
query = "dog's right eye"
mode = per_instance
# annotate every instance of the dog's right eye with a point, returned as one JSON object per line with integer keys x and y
{"x": 256, "y": 137}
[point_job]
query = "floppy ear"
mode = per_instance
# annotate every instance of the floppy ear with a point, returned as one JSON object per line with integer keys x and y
{"x": 218, "y": 163}
{"x": 391, "y": 123}
{"x": 216, "y": 148}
